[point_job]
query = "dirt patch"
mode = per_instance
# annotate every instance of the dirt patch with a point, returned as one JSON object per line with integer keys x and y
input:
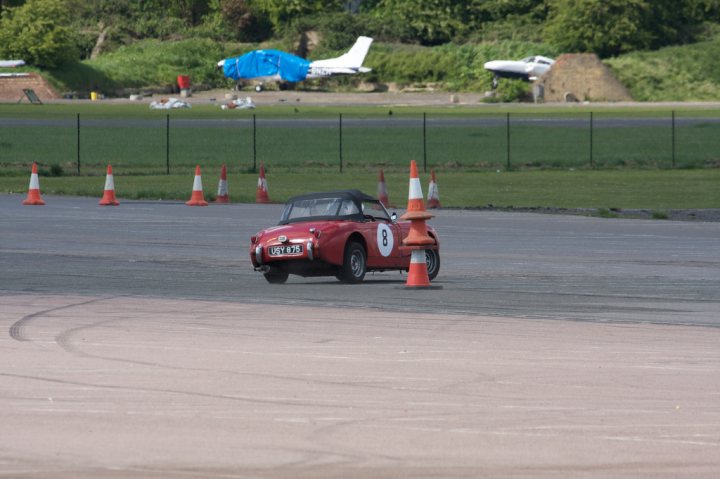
{"x": 691, "y": 214}
{"x": 581, "y": 77}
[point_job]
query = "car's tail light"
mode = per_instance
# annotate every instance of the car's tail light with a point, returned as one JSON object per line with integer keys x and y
{"x": 253, "y": 239}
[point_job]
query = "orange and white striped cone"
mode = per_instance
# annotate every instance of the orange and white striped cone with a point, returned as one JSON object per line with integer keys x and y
{"x": 197, "y": 198}
{"x": 33, "y": 196}
{"x": 433, "y": 200}
{"x": 417, "y": 239}
{"x": 261, "y": 194}
{"x": 382, "y": 190}
{"x": 108, "y": 198}
{"x": 418, "y": 273}
{"x": 416, "y": 212}
{"x": 222, "y": 194}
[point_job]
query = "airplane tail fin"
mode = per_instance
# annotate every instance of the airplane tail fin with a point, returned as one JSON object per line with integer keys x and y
{"x": 356, "y": 56}
{"x": 353, "y": 59}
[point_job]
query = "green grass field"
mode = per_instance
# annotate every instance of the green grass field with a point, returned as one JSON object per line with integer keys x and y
{"x": 649, "y": 189}
{"x": 138, "y": 141}
{"x": 549, "y": 151}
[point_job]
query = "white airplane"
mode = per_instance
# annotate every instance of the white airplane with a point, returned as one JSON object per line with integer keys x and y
{"x": 274, "y": 65}
{"x": 11, "y": 63}
{"x": 528, "y": 69}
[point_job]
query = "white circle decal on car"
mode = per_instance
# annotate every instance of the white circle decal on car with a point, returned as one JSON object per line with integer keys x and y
{"x": 385, "y": 239}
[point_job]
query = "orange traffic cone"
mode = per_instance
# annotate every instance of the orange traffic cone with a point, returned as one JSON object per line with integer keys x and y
{"x": 33, "y": 196}
{"x": 433, "y": 200}
{"x": 417, "y": 239}
{"x": 418, "y": 274}
{"x": 197, "y": 198}
{"x": 108, "y": 198}
{"x": 382, "y": 190}
{"x": 222, "y": 195}
{"x": 261, "y": 195}
{"x": 416, "y": 212}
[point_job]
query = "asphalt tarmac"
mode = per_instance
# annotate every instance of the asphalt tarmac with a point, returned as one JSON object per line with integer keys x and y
{"x": 137, "y": 342}
{"x": 529, "y": 265}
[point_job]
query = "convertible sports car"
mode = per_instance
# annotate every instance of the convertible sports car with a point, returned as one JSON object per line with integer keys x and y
{"x": 338, "y": 233}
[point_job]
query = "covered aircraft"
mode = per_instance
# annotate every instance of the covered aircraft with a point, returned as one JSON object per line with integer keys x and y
{"x": 11, "y": 63}
{"x": 275, "y": 65}
{"x": 528, "y": 69}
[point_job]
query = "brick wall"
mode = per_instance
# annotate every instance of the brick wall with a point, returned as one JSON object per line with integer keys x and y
{"x": 11, "y": 88}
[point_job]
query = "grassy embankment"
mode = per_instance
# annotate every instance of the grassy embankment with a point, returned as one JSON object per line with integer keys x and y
{"x": 679, "y": 73}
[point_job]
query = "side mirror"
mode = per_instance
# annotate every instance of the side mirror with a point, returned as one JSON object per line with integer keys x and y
{"x": 393, "y": 217}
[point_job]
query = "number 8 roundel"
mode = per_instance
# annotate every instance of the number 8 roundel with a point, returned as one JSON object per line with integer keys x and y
{"x": 385, "y": 239}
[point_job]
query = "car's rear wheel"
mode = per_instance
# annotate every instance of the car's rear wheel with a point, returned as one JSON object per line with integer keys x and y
{"x": 275, "y": 275}
{"x": 432, "y": 261}
{"x": 354, "y": 264}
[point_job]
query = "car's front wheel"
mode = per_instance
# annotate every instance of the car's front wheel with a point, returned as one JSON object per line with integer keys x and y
{"x": 354, "y": 264}
{"x": 432, "y": 261}
{"x": 275, "y": 275}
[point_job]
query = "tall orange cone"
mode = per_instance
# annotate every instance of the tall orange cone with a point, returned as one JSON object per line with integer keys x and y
{"x": 433, "y": 200}
{"x": 382, "y": 190}
{"x": 108, "y": 198}
{"x": 261, "y": 194}
{"x": 33, "y": 196}
{"x": 416, "y": 212}
{"x": 417, "y": 239}
{"x": 222, "y": 194}
{"x": 197, "y": 198}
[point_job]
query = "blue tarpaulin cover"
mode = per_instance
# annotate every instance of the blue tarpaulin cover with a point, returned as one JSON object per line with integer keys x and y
{"x": 265, "y": 63}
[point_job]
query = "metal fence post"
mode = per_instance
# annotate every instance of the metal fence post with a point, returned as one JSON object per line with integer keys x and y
{"x": 78, "y": 143}
{"x": 591, "y": 139}
{"x": 341, "y": 142}
{"x": 167, "y": 143}
{"x": 508, "y": 139}
{"x": 254, "y": 144}
{"x": 673, "y": 138}
{"x": 424, "y": 143}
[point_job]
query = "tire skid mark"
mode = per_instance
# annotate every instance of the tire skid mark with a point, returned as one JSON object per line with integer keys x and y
{"x": 17, "y": 330}
{"x": 64, "y": 340}
{"x": 227, "y": 397}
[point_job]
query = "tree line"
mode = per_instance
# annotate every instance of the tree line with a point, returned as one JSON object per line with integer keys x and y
{"x": 50, "y": 33}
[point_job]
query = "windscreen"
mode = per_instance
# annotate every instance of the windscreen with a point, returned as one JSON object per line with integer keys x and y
{"x": 319, "y": 208}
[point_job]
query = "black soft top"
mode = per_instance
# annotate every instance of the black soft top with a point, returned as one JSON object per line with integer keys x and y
{"x": 356, "y": 195}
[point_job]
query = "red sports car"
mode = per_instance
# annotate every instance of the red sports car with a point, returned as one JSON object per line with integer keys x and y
{"x": 338, "y": 233}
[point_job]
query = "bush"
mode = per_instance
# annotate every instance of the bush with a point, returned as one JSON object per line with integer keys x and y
{"x": 37, "y": 32}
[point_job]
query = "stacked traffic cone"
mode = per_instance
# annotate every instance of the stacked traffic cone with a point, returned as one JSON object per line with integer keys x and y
{"x": 108, "y": 198}
{"x": 197, "y": 198}
{"x": 222, "y": 194}
{"x": 417, "y": 238}
{"x": 382, "y": 190}
{"x": 33, "y": 196}
{"x": 261, "y": 195}
{"x": 433, "y": 200}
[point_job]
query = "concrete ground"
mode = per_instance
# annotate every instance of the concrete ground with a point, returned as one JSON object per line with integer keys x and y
{"x": 115, "y": 387}
{"x": 137, "y": 342}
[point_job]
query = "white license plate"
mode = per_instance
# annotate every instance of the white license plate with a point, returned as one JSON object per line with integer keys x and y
{"x": 291, "y": 249}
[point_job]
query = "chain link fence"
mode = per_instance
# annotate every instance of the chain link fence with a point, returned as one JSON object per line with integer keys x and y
{"x": 84, "y": 144}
